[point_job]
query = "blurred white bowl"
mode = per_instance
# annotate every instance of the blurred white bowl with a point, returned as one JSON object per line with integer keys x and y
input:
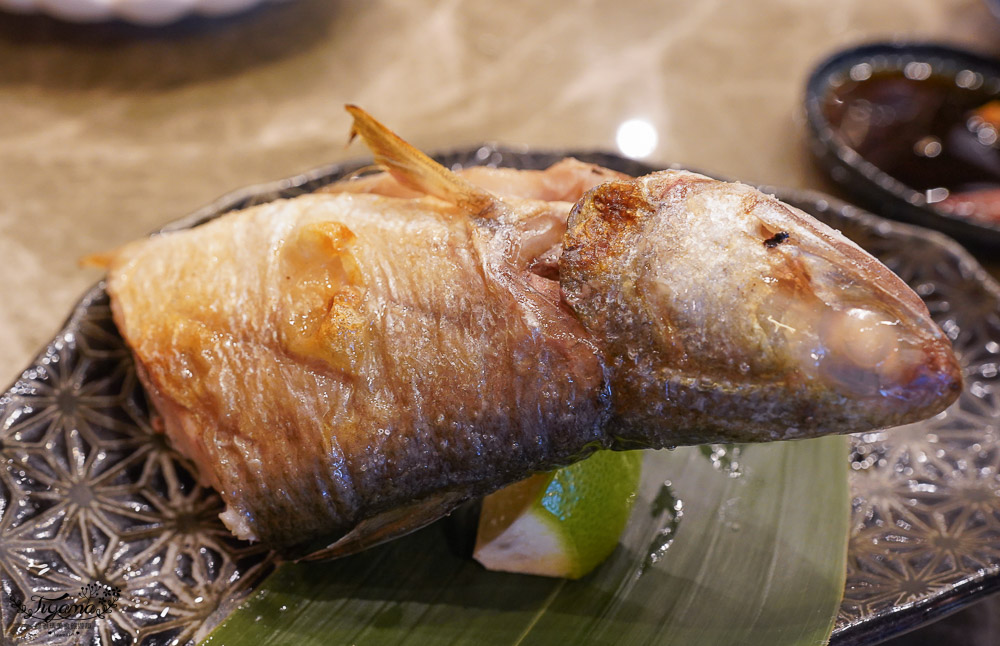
{"x": 143, "y": 12}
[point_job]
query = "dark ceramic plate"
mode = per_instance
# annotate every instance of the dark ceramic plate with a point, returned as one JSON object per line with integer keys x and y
{"x": 91, "y": 496}
{"x": 860, "y": 178}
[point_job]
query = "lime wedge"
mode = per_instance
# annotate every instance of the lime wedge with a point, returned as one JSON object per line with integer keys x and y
{"x": 563, "y": 523}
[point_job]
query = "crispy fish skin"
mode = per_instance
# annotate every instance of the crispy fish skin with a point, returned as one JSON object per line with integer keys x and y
{"x": 345, "y": 367}
{"x": 326, "y": 359}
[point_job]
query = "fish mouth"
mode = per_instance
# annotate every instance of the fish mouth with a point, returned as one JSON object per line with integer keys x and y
{"x": 869, "y": 339}
{"x": 905, "y": 371}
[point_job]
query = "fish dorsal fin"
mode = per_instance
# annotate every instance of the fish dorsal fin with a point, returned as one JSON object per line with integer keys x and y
{"x": 416, "y": 170}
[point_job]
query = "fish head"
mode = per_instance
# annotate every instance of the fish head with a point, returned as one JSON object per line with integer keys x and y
{"x": 714, "y": 302}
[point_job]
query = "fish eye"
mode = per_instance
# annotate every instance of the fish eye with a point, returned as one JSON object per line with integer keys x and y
{"x": 776, "y": 239}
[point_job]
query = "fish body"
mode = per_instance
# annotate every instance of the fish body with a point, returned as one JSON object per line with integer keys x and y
{"x": 328, "y": 358}
{"x": 346, "y": 366}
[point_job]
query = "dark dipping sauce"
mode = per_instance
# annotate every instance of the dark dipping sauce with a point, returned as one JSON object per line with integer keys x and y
{"x": 936, "y": 134}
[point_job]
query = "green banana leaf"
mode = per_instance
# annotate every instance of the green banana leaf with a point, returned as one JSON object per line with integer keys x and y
{"x": 742, "y": 545}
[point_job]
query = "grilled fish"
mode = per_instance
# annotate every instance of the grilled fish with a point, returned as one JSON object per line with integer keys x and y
{"x": 349, "y": 365}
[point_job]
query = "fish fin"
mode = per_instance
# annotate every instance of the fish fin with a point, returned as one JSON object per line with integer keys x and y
{"x": 100, "y": 260}
{"x": 416, "y": 170}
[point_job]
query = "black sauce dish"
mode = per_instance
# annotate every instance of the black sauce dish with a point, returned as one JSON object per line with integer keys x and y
{"x": 910, "y": 130}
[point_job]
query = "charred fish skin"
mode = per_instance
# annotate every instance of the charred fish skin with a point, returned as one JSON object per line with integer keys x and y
{"x": 728, "y": 316}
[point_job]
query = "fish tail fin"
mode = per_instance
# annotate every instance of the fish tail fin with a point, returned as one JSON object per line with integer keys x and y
{"x": 416, "y": 170}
